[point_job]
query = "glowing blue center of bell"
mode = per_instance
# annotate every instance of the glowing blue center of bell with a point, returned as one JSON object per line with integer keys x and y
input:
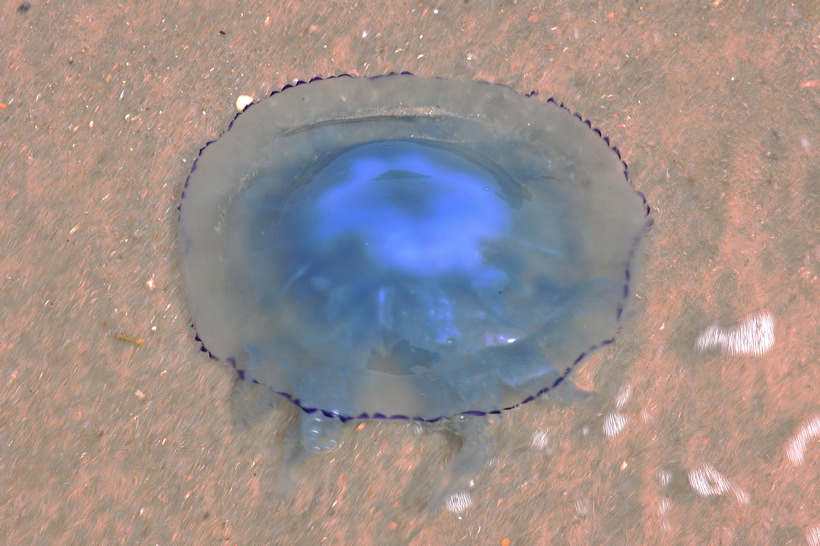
{"x": 415, "y": 208}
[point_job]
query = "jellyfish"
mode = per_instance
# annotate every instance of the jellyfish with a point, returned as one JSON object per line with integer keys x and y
{"x": 408, "y": 247}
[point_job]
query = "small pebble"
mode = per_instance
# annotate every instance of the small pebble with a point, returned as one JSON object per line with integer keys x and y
{"x": 243, "y": 101}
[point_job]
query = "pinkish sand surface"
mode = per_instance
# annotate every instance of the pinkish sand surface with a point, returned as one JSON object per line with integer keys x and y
{"x": 697, "y": 434}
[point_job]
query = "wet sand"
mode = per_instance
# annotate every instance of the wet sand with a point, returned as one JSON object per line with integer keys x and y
{"x": 116, "y": 429}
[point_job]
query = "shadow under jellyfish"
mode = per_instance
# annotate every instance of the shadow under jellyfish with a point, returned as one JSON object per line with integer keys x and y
{"x": 407, "y": 247}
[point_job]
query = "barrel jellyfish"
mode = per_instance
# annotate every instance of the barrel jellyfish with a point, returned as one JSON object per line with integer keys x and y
{"x": 408, "y": 247}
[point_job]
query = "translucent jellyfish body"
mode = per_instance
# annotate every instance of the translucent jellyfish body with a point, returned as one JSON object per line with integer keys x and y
{"x": 408, "y": 247}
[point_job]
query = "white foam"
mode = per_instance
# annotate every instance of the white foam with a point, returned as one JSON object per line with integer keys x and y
{"x": 752, "y": 336}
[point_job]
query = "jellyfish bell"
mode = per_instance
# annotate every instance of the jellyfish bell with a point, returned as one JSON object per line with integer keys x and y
{"x": 408, "y": 247}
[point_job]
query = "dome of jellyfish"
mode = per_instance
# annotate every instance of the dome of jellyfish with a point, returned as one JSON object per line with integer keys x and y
{"x": 408, "y": 247}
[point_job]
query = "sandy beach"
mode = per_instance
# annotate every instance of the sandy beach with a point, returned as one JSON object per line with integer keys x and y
{"x": 704, "y": 423}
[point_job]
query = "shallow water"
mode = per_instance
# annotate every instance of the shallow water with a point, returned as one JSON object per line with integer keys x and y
{"x": 695, "y": 434}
